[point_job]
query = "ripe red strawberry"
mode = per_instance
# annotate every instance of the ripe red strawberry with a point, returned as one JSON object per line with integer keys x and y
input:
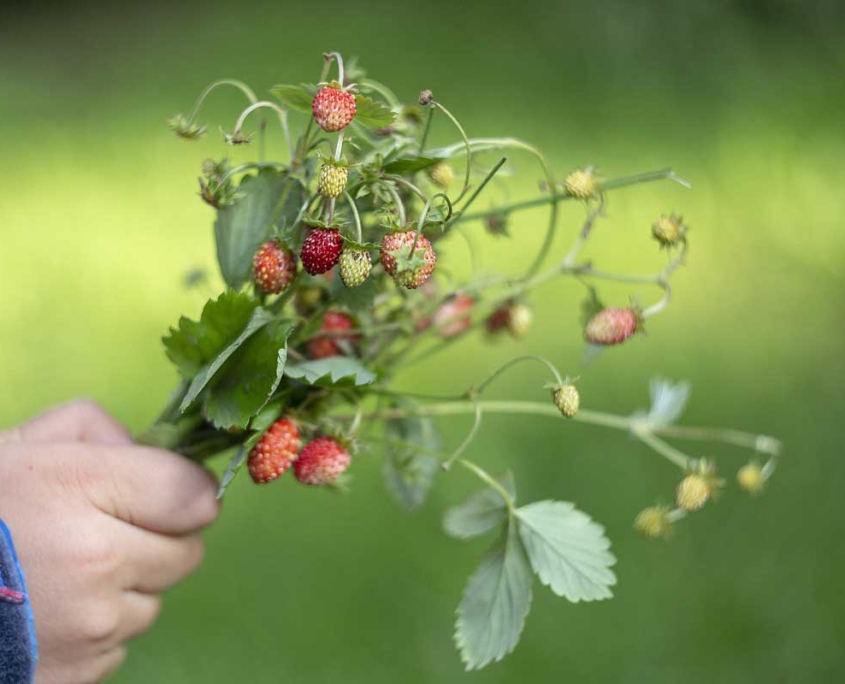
{"x": 321, "y": 462}
{"x": 612, "y": 326}
{"x": 333, "y": 108}
{"x": 325, "y": 346}
{"x": 411, "y": 275}
{"x": 453, "y": 318}
{"x": 321, "y": 250}
{"x": 275, "y": 452}
{"x": 273, "y": 267}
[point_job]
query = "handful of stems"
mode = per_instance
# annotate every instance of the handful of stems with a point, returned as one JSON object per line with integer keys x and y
{"x": 332, "y": 260}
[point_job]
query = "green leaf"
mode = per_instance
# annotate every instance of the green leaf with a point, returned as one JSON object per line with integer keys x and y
{"x": 409, "y": 165}
{"x": 409, "y": 473}
{"x": 259, "y": 318}
{"x": 568, "y": 550}
{"x": 357, "y": 300}
{"x": 299, "y": 98}
{"x": 232, "y": 470}
{"x": 497, "y": 599}
{"x": 194, "y": 343}
{"x": 481, "y": 512}
{"x": 371, "y": 113}
{"x": 240, "y": 229}
{"x": 249, "y": 378}
{"x": 260, "y": 424}
{"x": 331, "y": 371}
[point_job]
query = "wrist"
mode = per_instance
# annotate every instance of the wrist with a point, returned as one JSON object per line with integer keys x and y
{"x": 18, "y": 652}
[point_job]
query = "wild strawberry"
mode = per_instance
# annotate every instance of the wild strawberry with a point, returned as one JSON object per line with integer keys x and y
{"x": 275, "y": 451}
{"x": 498, "y": 320}
{"x": 668, "y": 230}
{"x": 273, "y": 267}
{"x": 321, "y": 250}
{"x": 567, "y": 399}
{"x": 323, "y": 346}
{"x": 321, "y": 462}
{"x": 442, "y": 174}
{"x": 453, "y": 318}
{"x": 355, "y": 266}
{"x": 514, "y": 317}
{"x": 693, "y": 492}
{"x": 333, "y": 179}
{"x": 654, "y": 522}
{"x": 751, "y": 478}
{"x": 410, "y": 271}
{"x": 613, "y": 326}
{"x": 333, "y": 108}
{"x": 581, "y": 184}
{"x": 520, "y": 320}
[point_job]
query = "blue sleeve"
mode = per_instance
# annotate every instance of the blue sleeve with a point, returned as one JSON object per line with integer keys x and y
{"x": 18, "y": 652}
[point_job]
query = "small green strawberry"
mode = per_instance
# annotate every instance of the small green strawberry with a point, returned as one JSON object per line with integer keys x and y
{"x": 355, "y": 265}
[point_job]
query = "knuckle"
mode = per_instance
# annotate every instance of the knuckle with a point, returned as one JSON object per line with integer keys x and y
{"x": 96, "y": 555}
{"x": 100, "y": 622}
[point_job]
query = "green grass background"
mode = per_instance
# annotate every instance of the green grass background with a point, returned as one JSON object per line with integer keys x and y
{"x": 99, "y": 220}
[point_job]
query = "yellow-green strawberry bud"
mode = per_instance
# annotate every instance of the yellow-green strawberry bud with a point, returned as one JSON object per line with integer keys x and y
{"x": 442, "y": 174}
{"x": 750, "y": 478}
{"x": 653, "y": 522}
{"x": 519, "y": 321}
{"x": 567, "y": 399}
{"x": 355, "y": 266}
{"x": 668, "y": 230}
{"x": 332, "y": 181}
{"x": 693, "y": 492}
{"x": 581, "y": 184}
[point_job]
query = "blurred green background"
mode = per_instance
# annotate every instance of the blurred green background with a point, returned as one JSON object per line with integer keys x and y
{"x": 99, "y": 221}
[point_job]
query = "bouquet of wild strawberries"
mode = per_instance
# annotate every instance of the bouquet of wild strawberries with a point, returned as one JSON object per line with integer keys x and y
{"x": 332, "y": 261}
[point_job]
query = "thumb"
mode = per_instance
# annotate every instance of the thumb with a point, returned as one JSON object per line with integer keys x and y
{"x": 78, "y": 421}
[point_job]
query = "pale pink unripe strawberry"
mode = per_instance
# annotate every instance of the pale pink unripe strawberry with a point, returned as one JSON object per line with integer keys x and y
{"x": 612, "y": 326}
{"x": 321, "y": 462}
{"x": 454, "y": 317}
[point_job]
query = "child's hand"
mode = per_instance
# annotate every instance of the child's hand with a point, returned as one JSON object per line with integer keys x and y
{"x": 102, "y": 528}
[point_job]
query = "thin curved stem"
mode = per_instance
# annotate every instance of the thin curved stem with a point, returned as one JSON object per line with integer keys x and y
{"x": 504, "y": 367}
{"x": 762, "y": 443}
{"x": 248, "y": 167}
{"x": 400, "y": 206}
{"x": 337, "y": 56}
{"x": 424, "y": 215}
{"x": 408, "y": 184}
{"x": 426, "y": 130}
{"x": 663, "y": 174}
{"x": 583, "y": 236}
{"x": 466, "y": 145}
{"x": 283, "y": 120}
{"x": 243, "y": 87}
{"x": 380, "y": 87}
{"x": 679, "y": 458}
{"x": 491, "y": 481}
{"x": 358, "y": 228}
{"x": 476, "y": 426}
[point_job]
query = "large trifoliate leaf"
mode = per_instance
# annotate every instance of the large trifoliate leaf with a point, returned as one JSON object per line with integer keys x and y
{"x": 195, "y": 343}
{"x": 249, "y": 378}
{"x": 240, "y": 229}
{"x": 495, "y": 604}
{"x": 257, "y": 320}
{"x": 331, "y": 371}
{"x": 568, "y": 550}
{"x": 481, "y": 512}
{"x": 409, "y": 473}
